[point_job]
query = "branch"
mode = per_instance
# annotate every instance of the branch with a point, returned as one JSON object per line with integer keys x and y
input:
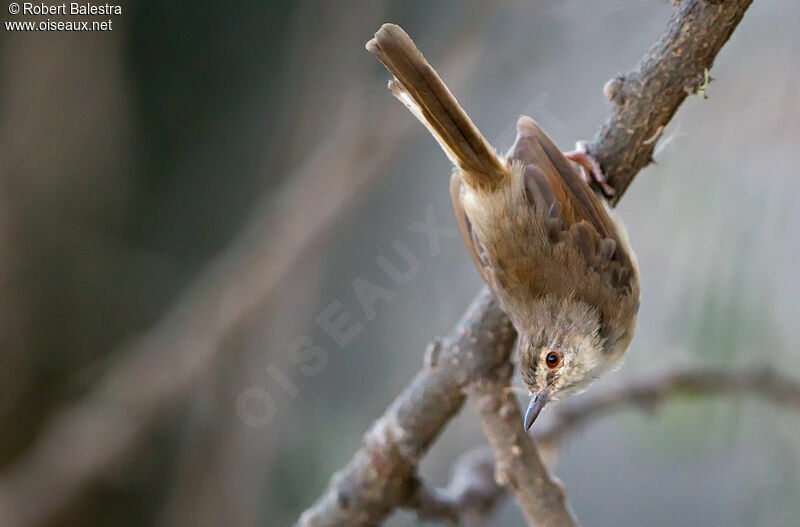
{"x": 624, "y": 145}
{"x": 647, "y": 395}
{"x": 471, "y": 495}
{"x": 646, "y": 99}
{"x": 381, "y": 475}
{"x": 651, "y": 393}
{"x": 519, "y": 465}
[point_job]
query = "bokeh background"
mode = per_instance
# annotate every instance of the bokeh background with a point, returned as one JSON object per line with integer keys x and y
{"x": 210, "y": 137}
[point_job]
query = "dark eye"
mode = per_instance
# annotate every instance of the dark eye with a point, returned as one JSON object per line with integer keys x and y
{"x": 552, "y": 359}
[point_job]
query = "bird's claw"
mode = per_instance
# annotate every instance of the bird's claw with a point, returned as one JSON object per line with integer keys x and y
{"x": 590, "y": 168}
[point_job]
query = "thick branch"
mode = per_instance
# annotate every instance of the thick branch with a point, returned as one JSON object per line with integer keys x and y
{"x": 381, "y": 476}
{"x": 519, "y": 466}
{"x": 646, "y": 99}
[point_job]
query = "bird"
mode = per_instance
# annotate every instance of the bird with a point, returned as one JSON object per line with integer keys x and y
{"x": 552, "y": 252}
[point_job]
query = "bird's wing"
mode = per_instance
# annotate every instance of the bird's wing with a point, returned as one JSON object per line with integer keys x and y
{"x": 575, "y": 214}
{"x": 474, "y": 246}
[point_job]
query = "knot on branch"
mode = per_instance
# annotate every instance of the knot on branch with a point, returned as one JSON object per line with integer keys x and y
{"x": 614, "y": 90}
{"x": 432, "y": 353}
{"x": 504, "y": 476}
{"x": 698, "y": 84}
{"x": 382, "y": 448}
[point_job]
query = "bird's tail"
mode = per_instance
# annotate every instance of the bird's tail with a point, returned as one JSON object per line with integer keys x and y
{"x": 419, "y": 87}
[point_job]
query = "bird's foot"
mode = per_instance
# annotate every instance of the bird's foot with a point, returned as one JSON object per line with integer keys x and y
{"x": 590, "y": 168}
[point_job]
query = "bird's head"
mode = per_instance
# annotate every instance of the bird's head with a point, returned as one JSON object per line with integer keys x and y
{"x": 560, "y": 359}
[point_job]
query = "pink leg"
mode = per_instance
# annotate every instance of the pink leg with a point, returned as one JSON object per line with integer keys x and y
{"x": 590, "y": 168}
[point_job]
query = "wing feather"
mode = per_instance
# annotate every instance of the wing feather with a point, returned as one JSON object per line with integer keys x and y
{"x": 474, "y": 247}
{"x": 556, "y": 188}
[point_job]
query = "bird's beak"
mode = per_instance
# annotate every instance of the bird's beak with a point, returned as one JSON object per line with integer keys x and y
{"x": 535, "y": 407}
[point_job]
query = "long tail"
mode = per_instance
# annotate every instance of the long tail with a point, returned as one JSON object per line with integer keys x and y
{"x": 419, "y": 87}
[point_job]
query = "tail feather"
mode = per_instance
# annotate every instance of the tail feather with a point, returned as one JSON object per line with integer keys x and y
{"x": 419, "y": 87}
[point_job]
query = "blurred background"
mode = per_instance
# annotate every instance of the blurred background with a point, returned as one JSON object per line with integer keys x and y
{"x": 208, "y": 180}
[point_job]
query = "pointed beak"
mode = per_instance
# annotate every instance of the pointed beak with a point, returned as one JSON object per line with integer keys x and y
{"x": 535, "y": 407}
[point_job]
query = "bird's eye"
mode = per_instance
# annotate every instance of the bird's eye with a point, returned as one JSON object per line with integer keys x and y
{"x": 552, "y": 359}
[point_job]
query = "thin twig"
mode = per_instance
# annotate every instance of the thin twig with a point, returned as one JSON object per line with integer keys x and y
{"x": 649, "y": 393}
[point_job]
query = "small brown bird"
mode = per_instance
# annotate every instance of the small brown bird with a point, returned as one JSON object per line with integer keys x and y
{"x": 549, "y": 248}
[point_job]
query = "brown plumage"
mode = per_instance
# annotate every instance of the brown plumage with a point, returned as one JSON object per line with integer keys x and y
{"x": 548, "y": 247}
